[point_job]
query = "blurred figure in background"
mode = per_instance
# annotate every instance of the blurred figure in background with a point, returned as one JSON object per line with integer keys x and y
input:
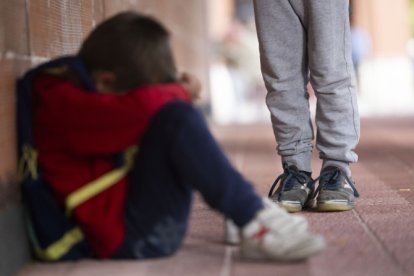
{"x": 236, "y": 70}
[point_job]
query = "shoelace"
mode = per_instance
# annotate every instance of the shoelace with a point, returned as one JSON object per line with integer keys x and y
{"x": 333, "y": 181}
{"x": 287, "y": 175}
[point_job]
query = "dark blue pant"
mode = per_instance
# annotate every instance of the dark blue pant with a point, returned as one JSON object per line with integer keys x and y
{"x": 177, "y": 155}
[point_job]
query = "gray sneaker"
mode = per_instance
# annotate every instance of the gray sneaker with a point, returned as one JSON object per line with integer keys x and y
{"x": 336, "y": 191}
{"x": 292, "y": 189}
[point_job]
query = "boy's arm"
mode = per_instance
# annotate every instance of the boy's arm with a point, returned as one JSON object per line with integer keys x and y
{"x": 192, "y": 84}
{"x": 94, "y": 124}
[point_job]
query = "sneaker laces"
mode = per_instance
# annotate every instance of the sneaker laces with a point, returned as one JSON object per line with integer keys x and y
{"x": 333, "y": 181}
{"x": 288, "y": 174}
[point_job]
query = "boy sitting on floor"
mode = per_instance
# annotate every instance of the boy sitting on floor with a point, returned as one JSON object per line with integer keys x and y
{"x": 140, "y": 101}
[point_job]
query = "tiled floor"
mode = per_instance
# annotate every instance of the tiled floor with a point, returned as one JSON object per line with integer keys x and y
{"x": 377, "y": 238}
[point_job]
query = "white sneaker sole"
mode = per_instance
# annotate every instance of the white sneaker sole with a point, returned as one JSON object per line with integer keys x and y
{"x": 291, "y": 206}
{"x": 335, "y": 206}
{"x": 305, "y": 249}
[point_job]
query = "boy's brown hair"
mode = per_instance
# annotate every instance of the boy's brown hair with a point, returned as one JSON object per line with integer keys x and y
{"x": 134, "y": 47}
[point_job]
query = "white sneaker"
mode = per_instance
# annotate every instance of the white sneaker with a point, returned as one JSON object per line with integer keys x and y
{"x": 276, "y": 235}
{"x": 232, "y": 232}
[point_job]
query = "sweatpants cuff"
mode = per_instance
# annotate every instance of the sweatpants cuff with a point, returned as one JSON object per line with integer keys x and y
{"x": 302, "y": 161}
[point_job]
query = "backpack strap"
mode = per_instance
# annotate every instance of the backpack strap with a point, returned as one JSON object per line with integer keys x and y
{"x": 59, "y": 248}
{"x": 70, "y": 238}
{"x": 27, "y": 164}
{"x": 101, "y": 183}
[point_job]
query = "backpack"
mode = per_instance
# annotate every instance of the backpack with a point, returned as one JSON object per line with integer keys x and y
{"x": 53, "y": 233}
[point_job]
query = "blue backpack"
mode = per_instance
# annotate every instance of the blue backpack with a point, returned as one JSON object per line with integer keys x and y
{"x": 53, "y": 234}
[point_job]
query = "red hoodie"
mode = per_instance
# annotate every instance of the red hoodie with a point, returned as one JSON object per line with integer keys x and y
{"x": 77, "y": 134}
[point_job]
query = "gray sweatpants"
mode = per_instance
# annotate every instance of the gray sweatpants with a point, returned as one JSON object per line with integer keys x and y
{"x": 301, "y": 41}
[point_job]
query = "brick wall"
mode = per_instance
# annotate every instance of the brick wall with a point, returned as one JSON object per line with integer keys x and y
{"x": 32, "y": 31}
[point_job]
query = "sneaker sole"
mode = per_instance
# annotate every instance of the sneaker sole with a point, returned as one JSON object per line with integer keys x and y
{"x": 334, "y": 206}
{"x": 307, "y": 249}
{"x": 290, "y": 206}
{"x": 313, "y": 247}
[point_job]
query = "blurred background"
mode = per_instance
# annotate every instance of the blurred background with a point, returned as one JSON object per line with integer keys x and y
{"x": 383, "y": 55}
{"x": 214, "y": 39}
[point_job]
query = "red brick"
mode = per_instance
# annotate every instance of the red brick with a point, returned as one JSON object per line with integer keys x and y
{"x": 13, "y": 27}
{"x": 9, "y": 70}
{"x": 58, "y": 27}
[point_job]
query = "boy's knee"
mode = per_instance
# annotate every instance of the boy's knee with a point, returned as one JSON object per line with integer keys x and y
{"x": 176, "y": 115}
{"x": 178, "y": 111}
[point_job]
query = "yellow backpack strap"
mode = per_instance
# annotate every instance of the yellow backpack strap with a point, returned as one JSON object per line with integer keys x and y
{"x": 102, "y": 183}
{"x": 56, "y": 71}
{"x": 59, "y": 248}
{"x": 27, "y": 163}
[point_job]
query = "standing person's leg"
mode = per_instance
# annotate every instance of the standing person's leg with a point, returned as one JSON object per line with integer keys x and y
{"x": 178, "y": 154}
{"x": 283, "y": 54}
{"x": 332, "y": 77}
{"x": 283, "y": 57}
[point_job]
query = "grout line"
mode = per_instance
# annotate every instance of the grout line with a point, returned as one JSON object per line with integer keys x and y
{"x": 402, "y": 163}
{"x": 227, "y": 264}
{"x": 241, "y": 156}
{"x": 377, "y": 241}
{"x": 27, "y": 17}
{"x": 228, "y": 254}
{"x": 93, "y": 12}
{"x": 33, "y": 59}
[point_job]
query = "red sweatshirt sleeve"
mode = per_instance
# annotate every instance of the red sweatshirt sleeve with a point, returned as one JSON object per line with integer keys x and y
{"x": 94, "y": 123}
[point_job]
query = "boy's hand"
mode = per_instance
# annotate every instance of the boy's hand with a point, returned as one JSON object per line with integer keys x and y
{"x": 192, "y": 84}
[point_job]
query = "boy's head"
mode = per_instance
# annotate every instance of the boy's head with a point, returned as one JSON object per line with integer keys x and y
{"x": 128, "y": 50}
